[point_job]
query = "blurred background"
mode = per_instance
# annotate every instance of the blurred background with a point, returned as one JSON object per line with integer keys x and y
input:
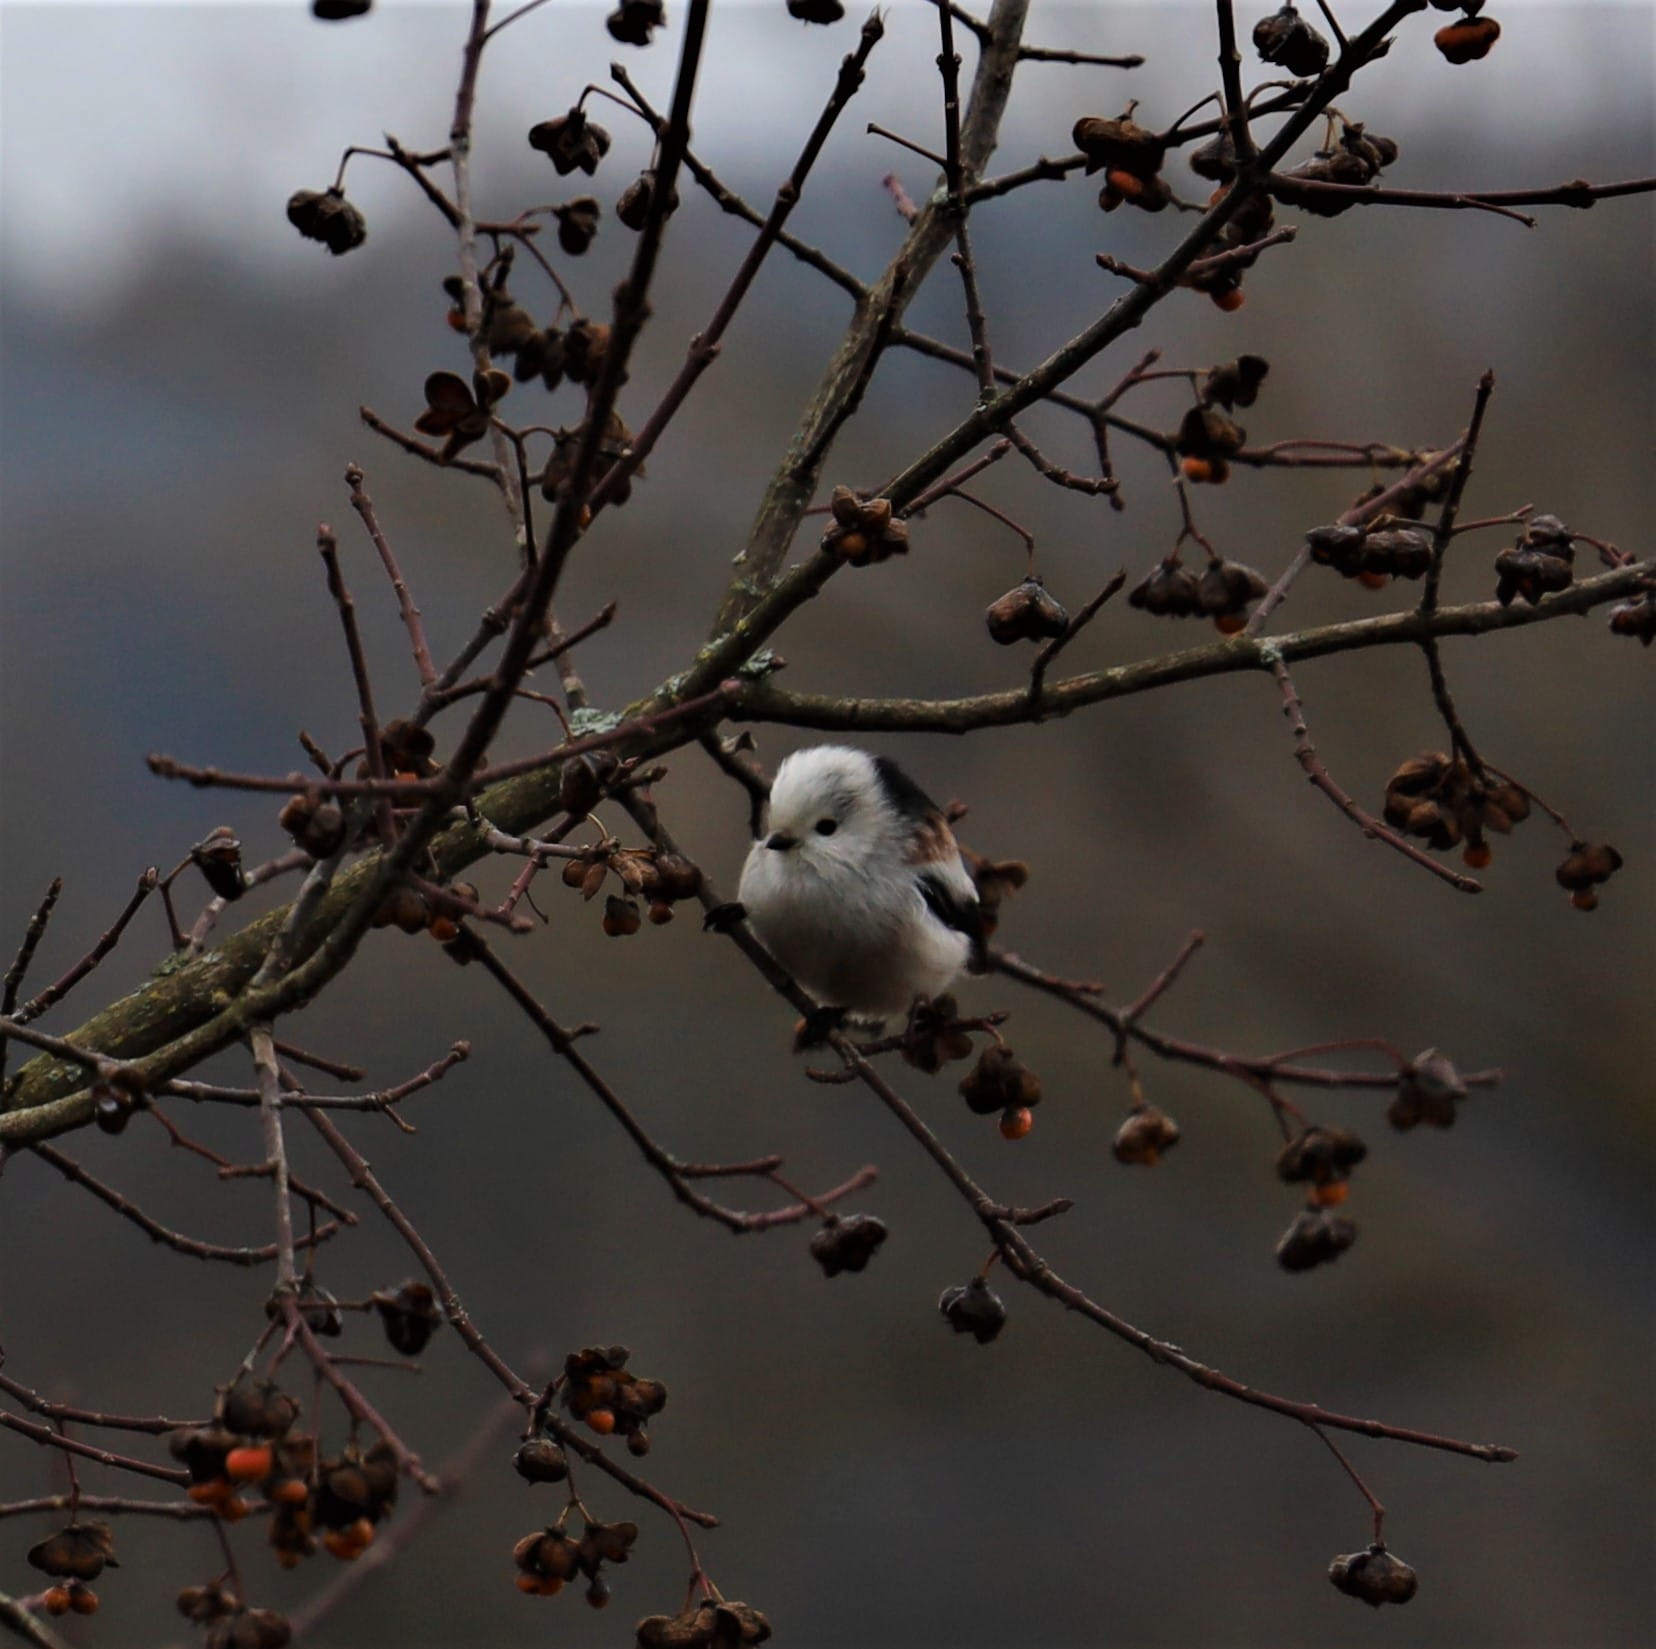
{"x": 181, "y": 382}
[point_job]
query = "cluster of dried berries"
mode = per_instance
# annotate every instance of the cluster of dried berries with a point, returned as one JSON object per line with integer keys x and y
{"x": 1130, "y": 157}
{"x": 230, "y": 1625}
{"x": 1002, "y": 1082}
{"x": 1586, "y": 866}
{"x": 634, "y": 21}
{"x": 1468, "y": 38}
{"x": 934, "y": 1035}
{"x": 250, "y": 1444}
{"x": 973, "y": 1308}
{"x": 115, "y": 1096}
{"x": 660, "y": 879}
{"x": 633, "y": 208}
{"x": 458, "y": 411}
{"x": 847, "y": 1242}
{"x": 316, "y": 825}
{"x": 1223, "y": 593}
{"x": 549, "y": 1558}
{"x": 615, "y": 445}
{"x": 1541, "y": 562}
{"x": 1635, "y": 618}
{"x": 1026, "y": 613}
{"x": 1206, "y": 440}
{"x": 995, "y": 880}
{"x": 1428, "y": 1089}
{"x": 1358, "y": 157}
{"x": 864, "y": 530}
{"x": 1235, "y": 383}
{"x": 539, "y": 1459}
{"x": 326, "y": 215}
{"x": 1315, "y": 1238}
{"x": 572, "y": 142}
{"x": 709, "y": 1625}
{"x": 599, "y": 1389}
{"x": 1144, "y": 1136}
{"x": 1444, "y": 800}
{"x": 219, "y": 859}
{"x": 1287, "y": 40}
{"x": 409, "y": 1315}
{"x": 1372, "y": 555}
{"x": 1375, "y": 1576}
{"x": 354, "y": 1493}
{"x": 1321, "y": 1159}
{"x": 76, "y": 1555}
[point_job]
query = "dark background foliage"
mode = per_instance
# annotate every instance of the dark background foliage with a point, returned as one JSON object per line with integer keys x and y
{"x": 181, "y": 378}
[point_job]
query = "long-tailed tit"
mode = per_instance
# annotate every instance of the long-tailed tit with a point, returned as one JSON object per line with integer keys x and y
{"x": 857, "y": 887}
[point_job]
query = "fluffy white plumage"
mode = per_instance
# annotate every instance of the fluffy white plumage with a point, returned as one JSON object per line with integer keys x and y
{"x": 857, "y": 886}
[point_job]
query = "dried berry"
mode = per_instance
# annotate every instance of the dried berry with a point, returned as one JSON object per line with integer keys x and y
{"x": 315, "y": 825}
{"x": 458, "y": 411}
{"x": 615, "y": 446}
{"x": 219, "y": 860}
{"x": 1168, "y": 591}
{"x": 633, "y": 21}
{"x": 621, "y": 918}
{"x": 707, "y": 1625}
{"x": 541, "y": 355}
{"x": 973, "y": 1308}
{"x": 79, "y": 1551}
{"x": 1440, "y": 798}
{"x": 1467, "y": 39}
{"x": 1026, "y": 613}
{"x": 847, "y": 1243}
{"x": 633, "y": 208}
{"x": 572, "y": 142}
{"x": 1119, "y": 145}
{"x": 1428, "y": 1090}
{"x": 540, "y": 1460}
{"x": 999, "y": 1082}
{"x": 994, "y": 880}
{"x": 1586, "y": 866}
{"x": 1375, "y": 1576}
{"x": 1149, "y": 194}
{"x": 586, "y": 346}
{"x": 581, "y": 782}
{"x": 1541, "y": 562}
{"x": 864, "y": 530}
{"x": 1635, "y": 618}
{"x": 1320, "y": 1156}
{"x": 410, "y": 1316}
{"x": 1315, "y": 1238}
{"x": 327, "y": 216}
{"x": 1144, "y": 1136}
{"x": 1236, "y": 383}
{"x": 253, "y": 1407}
{"x": 577, "y": 224}
{"x": 1214, "y": 160}
{"x": 933, "y": 1037}
{"x": 1287, "y": 40}
{"x": 1225, "y": 591}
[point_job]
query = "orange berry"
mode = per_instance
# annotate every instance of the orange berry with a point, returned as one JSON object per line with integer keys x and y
{"x": 1196, "y": 469}
{"x": 291, "y": 1491}
{"x": 342, "y": 1546}
{"x": 1477, "y": 854}
{"x": 1230, "y": 301}
{"x": 361, "y": 1533}
{"x": 83, "y": 1600}
{"x": 443, "y": 929}
{"x": 1125, "y": 184}
{"x": 1331, "y": 1195}
{"x": 56, "y": 1600}
{"x": 232, "y": 1508}
{"x": 1015, "y": 1123}
{"x": 602, "y": 1421}
{"x": 248, "y": 1464}
{"x": 528, "y": 1584}
{"x": 209, "y": 1493}
{"x": 1231, "y": 624}
{"x": 457, "y": 319}
{"x": 1584, "y": 899}
{"x": 1374, "y": 580}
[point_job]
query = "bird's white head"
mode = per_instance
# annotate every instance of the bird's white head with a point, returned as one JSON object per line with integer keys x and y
{"x": 830, "y": 806}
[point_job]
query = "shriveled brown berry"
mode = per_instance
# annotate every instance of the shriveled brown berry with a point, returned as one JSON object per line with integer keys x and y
{"x": 1236, "y": 383}
{"x": 847, "y": 1242}
{"x": 1467, "y": 39}
{"x": 1320, "y": 1156}
{"x": 1120, "y": 144}
{"x": 634, "y": 21}
{"x": 973, "y": 1308}
{"x": 1026, "y": 613}
{"x": 1168, "y": 590}
{"x": 78, "y": 1551}
{"x": 621, "y": 917}
{"x": 1375, "y": 1576}
{"x": 325, "y": 215}
{"x": 1315, "y": 1238}
{"x": 219, "y": 860}
{"x": 410, "y": 1316}
{"x": 999, "y": 1081}
{"x": 572, "y": 142}
{"x": 1287, "y": 40}
{"x": 540, "y": 1460}
{"x": 1145, "y": 1135}
{"x": 1429, "y": 1088}
{"x": 254, "y": 1407}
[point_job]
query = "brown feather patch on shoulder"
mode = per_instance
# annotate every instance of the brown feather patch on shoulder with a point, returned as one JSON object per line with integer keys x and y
{"x": 933, "y": 842}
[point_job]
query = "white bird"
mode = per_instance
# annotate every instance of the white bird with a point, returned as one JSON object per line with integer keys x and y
{"x": 857, "y": 886}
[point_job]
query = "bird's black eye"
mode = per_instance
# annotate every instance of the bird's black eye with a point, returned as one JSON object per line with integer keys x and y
{"x": 826, "y": 827}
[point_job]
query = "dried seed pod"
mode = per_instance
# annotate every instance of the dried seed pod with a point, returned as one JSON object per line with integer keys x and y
{"x": 586, "y": 345}
{"x": 1315, "y": 1238}
{"x": 864, "y": 530}
{"x": 999, "y": 1082}
{"x": 325, "y": 215}
{"x": 1168, "y": 591}
{"x": 1429, "y": 1088}
{"x": 1214, "y": 160}
{"x": 1585, "y": 866}
{"x": 1287, "y": 40}
{"x": 633, "y": 208}
{"x": 1206, "y": 432}
{"x": 933, "y": 1038}
{"x": 1236, "y": 383}
{"x": 577, "y": 224}
{"x": 1145, "y": 1136}
{"x": 1467, "y": 39}
{"x": 1026, "y": 613}
{"x": 1120, "y": 145}
{"x": 1375, "y": 1576}
{"x": 847, "y": 1242}
{"x": 973, "y": 1308}
{"x": 621, "y": 917}
{"x": 78, "y": 1551}
{"x": 410, "y": 1316}
{"x": 571, "y": 142}
{"x": 219, "y": 860}
{"x": 315, "y": 825}
{"x": 1635, "y": 618}
{"x": 1320, "y": 1156}
{"x": 1149, "y": 194}
{"x": 253, "y": 1407}
{"x": 633, "y": 21}
{"x": 540, "y": 1460}
{"x": 1225, "y": 592}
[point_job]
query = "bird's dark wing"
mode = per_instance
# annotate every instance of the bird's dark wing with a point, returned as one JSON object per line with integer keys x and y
{"x": 954, "y": 906}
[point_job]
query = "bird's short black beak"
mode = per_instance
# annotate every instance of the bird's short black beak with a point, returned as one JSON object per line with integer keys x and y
{"x": 781, "y": 841}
